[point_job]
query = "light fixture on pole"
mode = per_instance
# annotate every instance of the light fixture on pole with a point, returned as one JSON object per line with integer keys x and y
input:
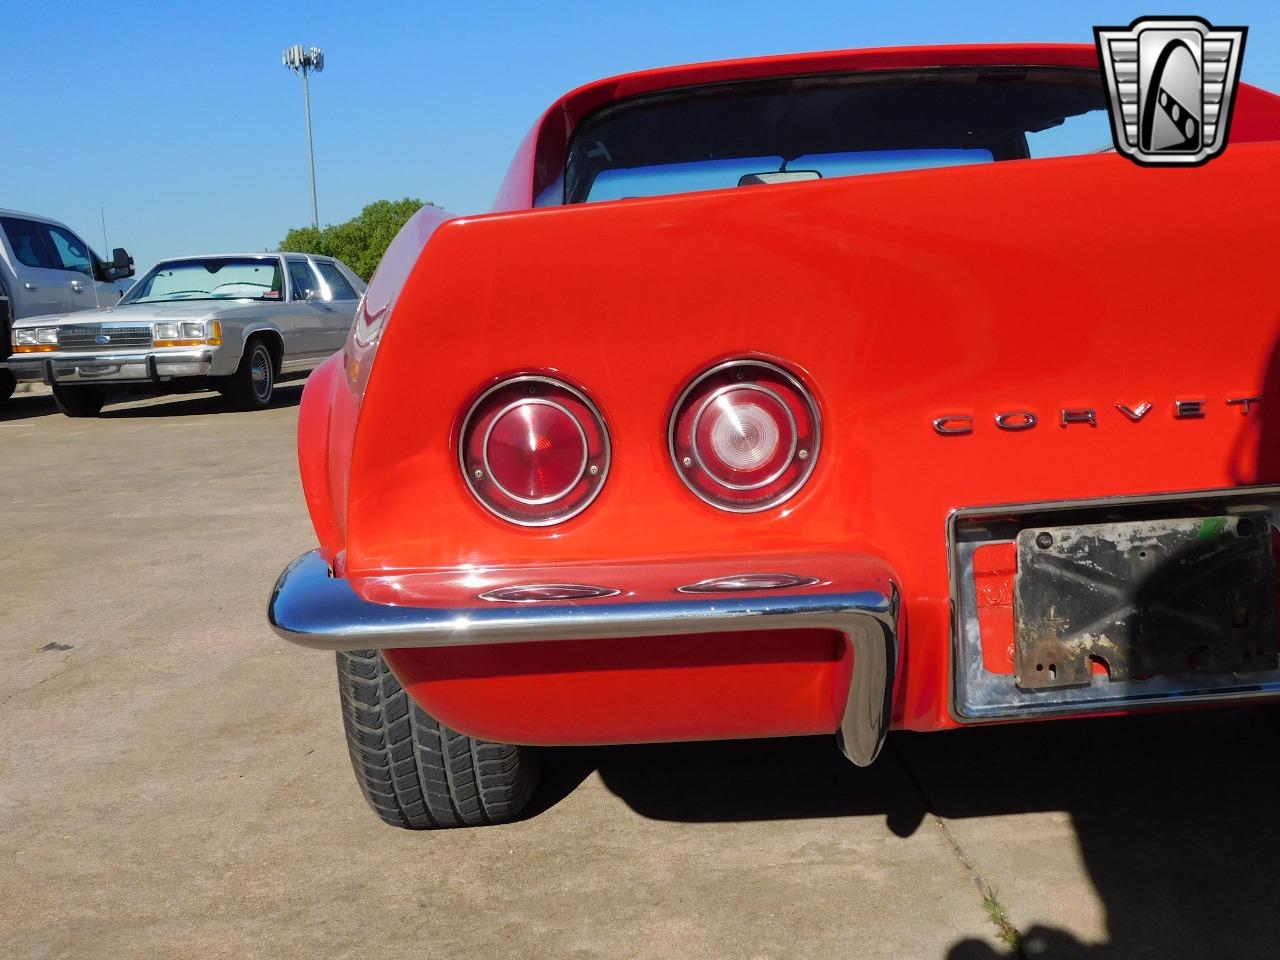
{"x": 305, "y": 61}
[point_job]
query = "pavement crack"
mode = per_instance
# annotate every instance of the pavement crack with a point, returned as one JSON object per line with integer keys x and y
{"x": 1006, "y": 931}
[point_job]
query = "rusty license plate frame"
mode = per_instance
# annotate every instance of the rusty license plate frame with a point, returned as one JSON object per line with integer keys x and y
{"x": 1144, "y": 598}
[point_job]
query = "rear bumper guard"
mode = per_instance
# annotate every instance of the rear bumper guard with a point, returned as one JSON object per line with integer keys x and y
{"x": 854, "y": 597}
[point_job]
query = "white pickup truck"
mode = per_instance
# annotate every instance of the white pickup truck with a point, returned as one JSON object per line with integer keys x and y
{"x": 46, "y": 268}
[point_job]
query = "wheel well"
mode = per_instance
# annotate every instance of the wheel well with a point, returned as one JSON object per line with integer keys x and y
{"x": 274, "y": 343}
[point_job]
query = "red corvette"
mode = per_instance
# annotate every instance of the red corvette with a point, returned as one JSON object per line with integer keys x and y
{"x": 816, "y": 394}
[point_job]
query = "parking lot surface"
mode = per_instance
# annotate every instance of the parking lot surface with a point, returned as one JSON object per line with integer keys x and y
{"x": 175, "y": 782}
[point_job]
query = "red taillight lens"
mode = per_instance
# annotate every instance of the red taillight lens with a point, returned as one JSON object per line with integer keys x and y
{"x": 534, "y": 450}
{"x": 744, "y": 435}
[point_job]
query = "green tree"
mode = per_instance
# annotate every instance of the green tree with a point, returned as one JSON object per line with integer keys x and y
{"x": 359, "y": 242}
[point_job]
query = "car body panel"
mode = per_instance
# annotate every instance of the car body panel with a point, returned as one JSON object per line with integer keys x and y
{"x": 898, "y": 298}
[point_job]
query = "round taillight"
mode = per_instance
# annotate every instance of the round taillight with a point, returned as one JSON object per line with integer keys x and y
{"x": 534, "y": 450}
{"x": 744, "y": 435}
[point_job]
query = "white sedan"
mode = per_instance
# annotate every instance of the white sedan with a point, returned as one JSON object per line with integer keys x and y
{"x": 233, "y": 322}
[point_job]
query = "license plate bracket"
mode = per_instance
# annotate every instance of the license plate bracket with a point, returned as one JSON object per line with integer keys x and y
{"x": 1144, "y": 598}
{"x": 97, "y": 369}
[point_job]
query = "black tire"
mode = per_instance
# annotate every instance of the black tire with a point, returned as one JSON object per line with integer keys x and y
{"x": 8, "y": 383}
{"x": 253, "y": 384}
{"x": 79, "y": 401}
{"x": 415, "y": 772}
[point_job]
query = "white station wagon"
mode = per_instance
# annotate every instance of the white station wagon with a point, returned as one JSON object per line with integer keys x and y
{"x": 233, "y": 322}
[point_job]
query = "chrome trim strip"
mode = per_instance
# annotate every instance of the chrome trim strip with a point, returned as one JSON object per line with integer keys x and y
{"x": 311, "y": 608}
{"x": 161, "y": 354}
{"x": 749, "y": 581}
{"x": 528, "y": 593}
{"x": 978, "y": 695}
{"x": 63, "y": 367}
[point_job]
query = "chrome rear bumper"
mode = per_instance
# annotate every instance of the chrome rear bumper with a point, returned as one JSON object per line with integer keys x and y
{"x": 854, "y": 597}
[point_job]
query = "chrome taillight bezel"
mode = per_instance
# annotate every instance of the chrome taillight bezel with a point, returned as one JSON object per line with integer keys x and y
{"x": 688, "y": 461}
{"x": 541, "y": 389}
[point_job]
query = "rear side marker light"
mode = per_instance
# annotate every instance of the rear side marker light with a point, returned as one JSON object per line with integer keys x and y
{"x": 744, "y": 435}
{"x": 534, "y": 451}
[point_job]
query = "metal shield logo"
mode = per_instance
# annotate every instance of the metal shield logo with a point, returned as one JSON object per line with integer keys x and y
{"x": 1171, "y": 82}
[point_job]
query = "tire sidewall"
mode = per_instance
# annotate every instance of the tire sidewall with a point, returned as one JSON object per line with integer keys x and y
{"x": 260, "y": 350}
{"x": 240, "y": 389}
{"x": 79, "y": 401}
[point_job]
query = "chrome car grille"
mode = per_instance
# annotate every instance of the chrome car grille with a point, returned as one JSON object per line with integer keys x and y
{"x": 90, "y": 337}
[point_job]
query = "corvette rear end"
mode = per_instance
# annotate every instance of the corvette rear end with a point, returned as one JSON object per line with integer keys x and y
{"x": 704, "y": 434}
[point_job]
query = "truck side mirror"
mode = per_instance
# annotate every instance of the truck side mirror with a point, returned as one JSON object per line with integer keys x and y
{"x": 121, "y": 263}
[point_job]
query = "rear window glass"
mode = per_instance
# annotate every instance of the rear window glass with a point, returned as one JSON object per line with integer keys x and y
{"x": 728, "y": 135}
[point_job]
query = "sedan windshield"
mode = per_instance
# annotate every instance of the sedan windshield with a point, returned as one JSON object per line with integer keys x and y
{"x": 210, "y": 278}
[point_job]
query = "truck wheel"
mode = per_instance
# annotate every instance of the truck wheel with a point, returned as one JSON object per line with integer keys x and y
{"x": 7, "y": 385}
{"x": 415, "y": 772}
{"x": 254, "y": 382}
{"x": 79, "y": 401}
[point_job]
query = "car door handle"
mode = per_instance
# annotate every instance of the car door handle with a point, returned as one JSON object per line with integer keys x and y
{"x": 28, "y": 286}
{"x": 76, "y": 285}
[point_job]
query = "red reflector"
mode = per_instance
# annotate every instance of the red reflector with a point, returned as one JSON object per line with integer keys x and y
{"x": 534, "y": 450}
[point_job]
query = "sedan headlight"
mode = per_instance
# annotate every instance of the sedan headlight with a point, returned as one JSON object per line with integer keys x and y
{"x": 35, "y": 339}
{"x": 186, "y": 333}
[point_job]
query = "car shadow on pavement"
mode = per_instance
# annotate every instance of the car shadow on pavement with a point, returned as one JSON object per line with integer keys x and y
{"x": 1175, "y": 815}
{"x": 194, "y": 405}
{"x": 742, "y": 780}
{"x": 24, "y": 406}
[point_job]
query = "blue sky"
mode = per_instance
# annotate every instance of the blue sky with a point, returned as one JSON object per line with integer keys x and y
{"x": 179, "y": 120}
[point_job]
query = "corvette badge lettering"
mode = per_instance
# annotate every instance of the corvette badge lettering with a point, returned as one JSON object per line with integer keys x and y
{"x": 1013, "y": 421}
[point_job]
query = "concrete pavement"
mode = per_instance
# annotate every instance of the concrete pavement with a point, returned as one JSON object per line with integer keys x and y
{"x": 174, "y": 780}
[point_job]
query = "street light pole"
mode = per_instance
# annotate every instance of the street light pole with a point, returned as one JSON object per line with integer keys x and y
{"x": 304, "y": 62}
